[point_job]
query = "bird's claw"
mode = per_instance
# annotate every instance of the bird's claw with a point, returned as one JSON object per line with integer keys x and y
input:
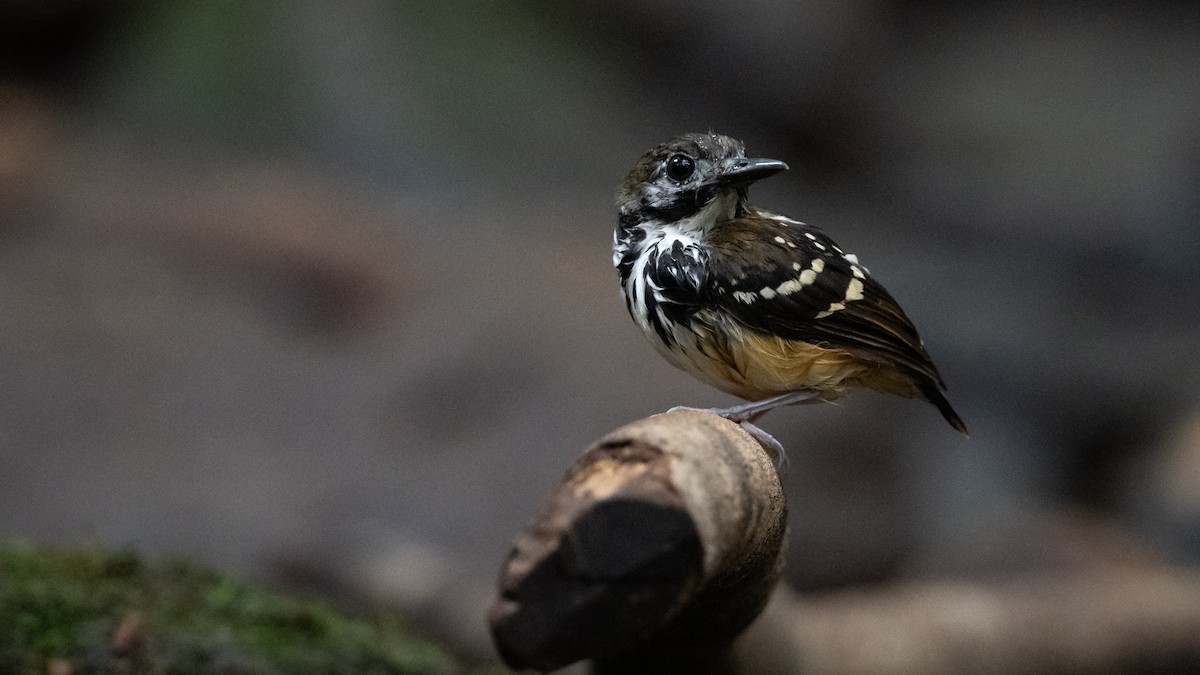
{"x": 773, "y": 447}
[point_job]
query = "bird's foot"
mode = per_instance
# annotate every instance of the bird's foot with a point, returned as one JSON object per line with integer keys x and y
{"x": 744, "y": 419}
{"x": 773, "y": 447}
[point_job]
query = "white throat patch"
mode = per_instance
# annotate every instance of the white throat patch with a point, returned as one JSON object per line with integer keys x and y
{"x": 720, "y": 209}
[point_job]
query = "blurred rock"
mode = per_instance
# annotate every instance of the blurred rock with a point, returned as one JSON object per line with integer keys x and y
{"x": 428, "y": 583}
{"x": 1036, "y": 543}
{"x": 1161, "y": 489}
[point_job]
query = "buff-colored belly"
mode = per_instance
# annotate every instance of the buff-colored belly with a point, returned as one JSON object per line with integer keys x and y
{"x": 753, "y": 365}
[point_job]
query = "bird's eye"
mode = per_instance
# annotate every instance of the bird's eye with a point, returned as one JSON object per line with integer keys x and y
{"x": 680, "y": 168}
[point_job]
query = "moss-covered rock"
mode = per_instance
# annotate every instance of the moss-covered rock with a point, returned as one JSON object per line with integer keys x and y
{"x": 97, "y": 612}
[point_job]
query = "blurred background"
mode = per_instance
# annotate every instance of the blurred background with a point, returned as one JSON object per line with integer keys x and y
{"x": 322, "y": 292}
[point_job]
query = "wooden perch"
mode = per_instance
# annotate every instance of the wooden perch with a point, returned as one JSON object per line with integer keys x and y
{"x": 659, "y": 547}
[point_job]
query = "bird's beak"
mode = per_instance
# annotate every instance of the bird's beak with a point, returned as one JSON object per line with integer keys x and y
{"x": 742, "y": 171}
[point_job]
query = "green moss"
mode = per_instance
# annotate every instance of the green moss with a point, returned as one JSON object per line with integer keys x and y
{"x": 181, "y": 618}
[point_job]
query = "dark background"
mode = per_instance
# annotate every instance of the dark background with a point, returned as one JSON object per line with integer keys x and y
{"x": 325, "y": 288}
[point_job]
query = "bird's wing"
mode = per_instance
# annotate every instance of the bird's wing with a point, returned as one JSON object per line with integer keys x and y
{"x": 785, "y": 278}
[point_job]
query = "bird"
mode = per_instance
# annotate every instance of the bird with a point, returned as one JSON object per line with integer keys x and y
{"x": 753, "y": 302}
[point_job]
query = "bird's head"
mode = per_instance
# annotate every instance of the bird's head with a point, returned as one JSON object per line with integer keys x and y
{"x": 691, "y": 174}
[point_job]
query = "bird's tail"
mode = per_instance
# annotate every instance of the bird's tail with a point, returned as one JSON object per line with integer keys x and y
{"x": 935, "y": 396}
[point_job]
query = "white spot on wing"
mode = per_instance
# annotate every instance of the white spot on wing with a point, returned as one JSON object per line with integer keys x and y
{"x": 781, "y": 240}
{"x": 790, "y": 286}
{"x": 767, "y": 292}
{"x": 835, "y": 307}
{"x": 855, "y": 290}
{"x": 818, "y": 265}
{"x": 745, "y": 296}
{"x": 808, "y": 276}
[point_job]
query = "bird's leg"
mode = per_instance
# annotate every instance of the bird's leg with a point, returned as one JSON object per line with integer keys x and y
{"x": 748, "y": 412}
{"x": 745, "y": 414}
